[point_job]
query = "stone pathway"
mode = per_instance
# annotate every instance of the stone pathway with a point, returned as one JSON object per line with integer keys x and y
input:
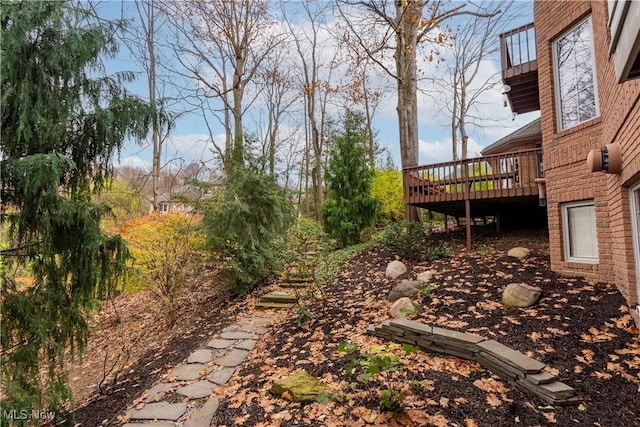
{"x": 183, "y": 398}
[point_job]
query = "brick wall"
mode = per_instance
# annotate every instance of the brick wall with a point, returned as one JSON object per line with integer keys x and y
{"x": 565, "y": 151}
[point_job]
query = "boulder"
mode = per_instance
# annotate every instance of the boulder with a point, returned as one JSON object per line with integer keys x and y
{"x": 518, "y": 252}
{"x": 401, "y": 308}
{"x": 395, "y": 269}
{"x": 426, "y": 276}
{"x": 520, "y": 295}
{"x": 301, "y": 386}
{"x": 404, "y": 289}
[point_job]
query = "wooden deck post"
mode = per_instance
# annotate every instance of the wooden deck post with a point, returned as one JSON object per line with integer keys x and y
{"x": 467, "y": 210}
{"x": 467, "y": 200}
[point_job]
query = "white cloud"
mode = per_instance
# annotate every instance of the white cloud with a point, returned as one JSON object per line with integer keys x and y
{"x": 134, "y": 162}
{"x": 440, "y": 150}
{"x": 192, "y": 147}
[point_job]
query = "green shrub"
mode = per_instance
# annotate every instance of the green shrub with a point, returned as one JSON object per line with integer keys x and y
{"x": 391, "y": 400}
{"x": 164, "y": 248}
{"x": 406, "y": 239}
{"x": 247, "y": 230}
{"x": 349, "y": 207}
{"x": 387, "y": 188}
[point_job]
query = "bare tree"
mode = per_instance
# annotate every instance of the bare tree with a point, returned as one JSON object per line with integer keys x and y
{"x": 315, "y": 90}
{"x": 461, "y": 84}
{"x": 143, "y": 40}
{"x": 277, "y": 88}
{"x": 359, "y": 90}
{"x": 222, "y": 45}
{"x": 400, "y": 27}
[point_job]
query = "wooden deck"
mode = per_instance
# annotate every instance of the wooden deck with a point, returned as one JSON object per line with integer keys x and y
{"x": 501, "y": 182}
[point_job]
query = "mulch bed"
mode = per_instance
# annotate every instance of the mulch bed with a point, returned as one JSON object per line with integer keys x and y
{"x": 581, "y": 330}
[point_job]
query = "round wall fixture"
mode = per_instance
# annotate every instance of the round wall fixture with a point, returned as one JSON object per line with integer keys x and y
{"x": 607, "y": 159}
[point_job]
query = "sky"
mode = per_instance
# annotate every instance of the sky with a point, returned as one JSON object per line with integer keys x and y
{"x": 189, "y": 140}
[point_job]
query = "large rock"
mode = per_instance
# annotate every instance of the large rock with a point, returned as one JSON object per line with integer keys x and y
{"x": 301, "y": 386}
{"x": 426, "y": 276}
{"x": 404, "y": 289}
{"x": 401, "y": 308}
{"x": 519, "y": 252}
{"x": 395, "y": 269}
{"x": 520, "y": 295}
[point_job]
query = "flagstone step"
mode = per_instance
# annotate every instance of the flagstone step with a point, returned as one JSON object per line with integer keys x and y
{"x": 289, "y": 285}
{"x": 299, "y": 279}
{"x": 281, "y": 297}
{"x": 268, "y": 305}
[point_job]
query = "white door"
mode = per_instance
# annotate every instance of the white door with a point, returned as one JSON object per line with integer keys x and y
{"x": 635, "y": 219}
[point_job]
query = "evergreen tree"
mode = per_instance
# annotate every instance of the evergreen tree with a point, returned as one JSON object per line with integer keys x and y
{"x": 248, "y": 227}
{"x": 349, "y": 207}
{"x": 62, "y": 122}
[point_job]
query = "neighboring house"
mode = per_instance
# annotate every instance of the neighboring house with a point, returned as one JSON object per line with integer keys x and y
{"x": 183, "y": 199}
{"x": 588, "y": 92}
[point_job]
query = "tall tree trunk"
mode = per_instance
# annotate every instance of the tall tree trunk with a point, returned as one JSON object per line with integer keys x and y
{"x": 155, "y": 136}
{"x": 407, "y": 108}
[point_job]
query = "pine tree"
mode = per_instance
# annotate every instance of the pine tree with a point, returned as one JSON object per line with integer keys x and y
{"x": 62, "y": 122}
{"x": 349, "y": 207}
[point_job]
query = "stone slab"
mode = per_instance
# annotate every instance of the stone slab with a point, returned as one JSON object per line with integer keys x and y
{"x": 221, "y": 376}
{"x": 267, "y": 305}
{"x": 246, "y": 345}
{"x": 279, "y": 297}
{"x": 557, "y": 390}
{"x": 411, "y": 325}
{"x": 393, "y": 329}
{"x": 189, "y": 372}
{"x": 236, "y": 335}
{"x": 498, "y": 366}
{"x": 220, "y": 343}
{"x": 203, "y": 416}
{"x": 200, "y": 356}
{"x": 447, "y": 335}
{"x": 543, "y": 377}
{"x": 159, "y": 411}
{"x": 151, "y": 424}
{"x": 157, "y": 392}
{"x": 537, "y": 390}
{"x": 260, "y": 321}
{"x": 234, "y": 358}
{"x": 202, "y": 388}
{"x": 512, "y": 357}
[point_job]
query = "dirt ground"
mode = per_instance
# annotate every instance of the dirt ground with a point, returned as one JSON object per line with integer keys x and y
{"x": 581, "y": 330}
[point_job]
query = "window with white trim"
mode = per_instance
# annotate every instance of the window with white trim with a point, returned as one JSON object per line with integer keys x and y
{"x": 164, "y": 207}
{"x": 575, "y": 77}
{"x": 580, "y": 237}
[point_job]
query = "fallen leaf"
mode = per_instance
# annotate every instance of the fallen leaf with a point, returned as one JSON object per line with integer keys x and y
{"x": 535, "y": 336}
{"x": 550, "y": 416}
{"x": 493, "y": 400}
{"x": 470, "y": 422}
{"x": 601, "y": 375}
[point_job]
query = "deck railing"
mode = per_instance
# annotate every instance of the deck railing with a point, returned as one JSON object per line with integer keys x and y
{"x": 488, "y": 177}
{"x": 518, "y": 51}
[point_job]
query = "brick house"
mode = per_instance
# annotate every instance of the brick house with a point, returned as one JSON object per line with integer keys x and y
{"x": 579, "y": 65}
{"x": 584, "y": 73}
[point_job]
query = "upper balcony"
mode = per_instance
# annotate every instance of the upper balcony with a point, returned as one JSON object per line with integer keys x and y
{"x": 520, "y": 68}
